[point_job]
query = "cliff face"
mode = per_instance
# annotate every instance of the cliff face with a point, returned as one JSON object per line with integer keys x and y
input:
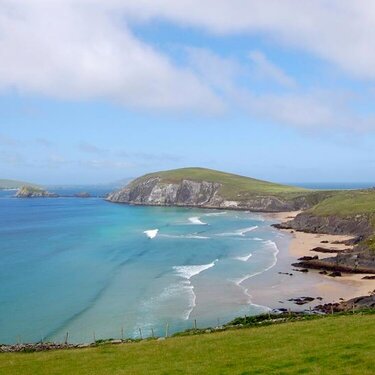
{"x": 155, "y": 192}
{"x": 358, "y": 225}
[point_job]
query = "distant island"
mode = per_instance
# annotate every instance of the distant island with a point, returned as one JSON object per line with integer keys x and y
{"x": 340, "y": 212}
{"x": 34, "y": 192}
{"x": 14, "y": 184}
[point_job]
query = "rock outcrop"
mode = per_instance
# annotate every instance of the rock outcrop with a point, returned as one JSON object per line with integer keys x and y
{"x": 32, "y": 192}
{"x": 154, "y": 191}
{"x": 357, "y": 303}
{"x": 357, "y": 261}
{"x": 358, "y": 225}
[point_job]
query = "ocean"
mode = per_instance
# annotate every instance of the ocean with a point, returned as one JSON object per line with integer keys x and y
{"x": 97, "y": 269}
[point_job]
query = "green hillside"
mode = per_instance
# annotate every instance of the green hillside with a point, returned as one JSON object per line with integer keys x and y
{"x": 347, "y": 203}
{"x": 234, "y": 186}
{"x": 331, "y": 345}
{"x": 14, "y": 184}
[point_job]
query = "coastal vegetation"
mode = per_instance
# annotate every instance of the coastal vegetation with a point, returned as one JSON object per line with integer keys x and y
{"x": 315, "y": 345}
{"x": 14, "y": 184}
{"x": 347, "y": 203}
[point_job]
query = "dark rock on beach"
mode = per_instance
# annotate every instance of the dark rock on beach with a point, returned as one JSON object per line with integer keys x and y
{"x": 301, "y": 300}
{"x": 354, "y": 262}
{"x": 329, "y": 251}
{"x": 335, "y": 274}
{"x": 308, "y": 258}
{"x": 363, "y": 302}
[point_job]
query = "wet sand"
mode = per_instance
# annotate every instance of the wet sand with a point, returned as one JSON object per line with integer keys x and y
{"x": 283, "y": 282}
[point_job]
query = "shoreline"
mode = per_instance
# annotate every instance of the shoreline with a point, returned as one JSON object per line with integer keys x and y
{"x": 284, "y": 282}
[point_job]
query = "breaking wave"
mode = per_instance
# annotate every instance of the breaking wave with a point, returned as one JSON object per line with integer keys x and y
{"x": 244, "y": 258}
{"x": 196, "y": 220}
{"x": 151, "y": 233}
{"x": 239, "y": 232}
{"x": 187, "y": 272}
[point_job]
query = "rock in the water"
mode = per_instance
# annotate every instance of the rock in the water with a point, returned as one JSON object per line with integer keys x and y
{"x": 82, "y": 194}
{"x": 32, "y": 192}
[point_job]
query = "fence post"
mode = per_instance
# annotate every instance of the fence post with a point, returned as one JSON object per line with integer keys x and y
{"x": 152, "y": 333}
{"x": 66, "y": 338}
{"x": 140, "y": 333}
{"x": 122, "y": 333}
{"x": 332, "y": 309}
{"x": 218, "y": 322}
{"x": 195, "y": 323}
{"x": 166, "y": 329}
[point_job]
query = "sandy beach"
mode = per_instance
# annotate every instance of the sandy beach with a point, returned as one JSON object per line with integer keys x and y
{"x": 284, "y": 282}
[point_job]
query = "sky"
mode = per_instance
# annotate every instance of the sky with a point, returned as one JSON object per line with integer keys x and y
{"x": 97, "y": 91}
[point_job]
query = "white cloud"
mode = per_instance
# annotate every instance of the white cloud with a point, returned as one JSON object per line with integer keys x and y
{"x": 77, "y": 50}
{"x": 339, "y": 31}
{"x": 267, "y": 70}
{"x": 84, "y": 49}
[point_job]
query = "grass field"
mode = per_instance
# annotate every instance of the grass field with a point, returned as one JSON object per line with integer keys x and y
{"x": 234, "y": 186}
{"x": 347, "y": 203}
{"x": 331, "y": 345}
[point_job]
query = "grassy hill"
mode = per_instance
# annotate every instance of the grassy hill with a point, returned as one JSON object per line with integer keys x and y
{"x": 347, "y": 203}
{"x": 234, "y": 186}
{"x": 331, "y": 345}
{"x": 14, "y": 184}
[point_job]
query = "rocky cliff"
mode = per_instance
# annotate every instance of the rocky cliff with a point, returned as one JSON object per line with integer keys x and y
{"x": 32, "y": 192}
{"x": 156, "y": 192}
{"x": 358, "y": 225}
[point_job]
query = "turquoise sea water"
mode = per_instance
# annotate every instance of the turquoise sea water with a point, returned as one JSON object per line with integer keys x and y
{"x": 85, "y": 265}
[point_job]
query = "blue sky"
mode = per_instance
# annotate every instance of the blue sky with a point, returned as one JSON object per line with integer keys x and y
{"x": 93, "y": 93}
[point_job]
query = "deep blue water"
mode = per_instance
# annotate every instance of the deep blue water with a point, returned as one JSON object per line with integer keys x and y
{"x": 85, "y": 265}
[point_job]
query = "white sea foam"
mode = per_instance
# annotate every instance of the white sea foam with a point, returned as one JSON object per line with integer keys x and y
{"x": 151, "y": 233}
{"x": 244, "y": 258}
{"x": 196, "y": 221}
{"x": 257, "y": 239}
{"x": 187, "y": 272}
{"x": 185, "y": 236}
{"x": 216, "y": 213}
{"x": 239, "y": 232}
{"x": 275, "y": 250}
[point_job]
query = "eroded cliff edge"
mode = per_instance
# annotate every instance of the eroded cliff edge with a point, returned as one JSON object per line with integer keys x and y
{"x": 154, "y": 191}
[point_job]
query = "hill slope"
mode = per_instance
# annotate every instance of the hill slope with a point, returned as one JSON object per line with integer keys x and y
{"x": 200, "y": 187}
{"x": 14, "y": 184}
{"x": 336, "y": 345}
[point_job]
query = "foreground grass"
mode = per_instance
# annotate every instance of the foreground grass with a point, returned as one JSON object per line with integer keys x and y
{"x": 332, "y": 345}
